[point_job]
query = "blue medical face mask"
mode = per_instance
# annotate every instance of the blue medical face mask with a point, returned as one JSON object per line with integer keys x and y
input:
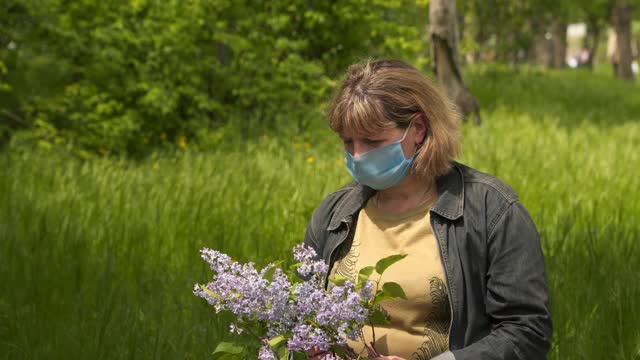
{"x": 380, "y": 168}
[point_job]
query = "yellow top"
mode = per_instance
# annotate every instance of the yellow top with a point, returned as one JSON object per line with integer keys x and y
{"x": 419, "y": 326}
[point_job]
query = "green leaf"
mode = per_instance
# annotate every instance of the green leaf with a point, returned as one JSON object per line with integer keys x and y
{"x": 378, "y": 318}
{"x": 384, "y": 263}
{"x": 276, "y": 341}
{"x": 339, "y": 280}
{"x": 227, "y": 356}
{"x": 268, "y": 275}
{"x": 208, "y": 292}
{"x": 338, "y": 350}
{"x": 365, "y": 273}
{"x": 228, "y": 348}
{"x": 394, "y": 290}
{"x": 380, "y": 296}
{"x": 299, "y": 355}
{"x": 283, "y": 353}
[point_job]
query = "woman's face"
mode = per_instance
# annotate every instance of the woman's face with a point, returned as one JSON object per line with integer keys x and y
{"x": 357, "y": 144}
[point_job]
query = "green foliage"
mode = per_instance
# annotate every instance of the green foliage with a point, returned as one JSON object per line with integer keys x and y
{"x": 338, "y": 280}
{"x": 378, "y": 318}
{"x": 4, "y": 87}
{"x": 365, "y": 273}
{"x": 383, "y": 291}
{"x": 228, "y": 350}
{"x": 393, "y": 290}
{"x": 506, "y": 29}
{"x": 383, "y": 264}
{"x": 98, "y": 256}
{"x": 131, "y": 74}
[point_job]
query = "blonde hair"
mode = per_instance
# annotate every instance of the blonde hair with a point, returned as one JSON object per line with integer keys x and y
{"x": 383, "y": 94}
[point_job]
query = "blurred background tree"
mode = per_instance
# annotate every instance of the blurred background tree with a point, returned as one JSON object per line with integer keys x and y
{"x": 123, "y": 76}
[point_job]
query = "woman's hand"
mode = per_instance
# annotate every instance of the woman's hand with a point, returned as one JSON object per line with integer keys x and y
{"x": 316, "y": 354}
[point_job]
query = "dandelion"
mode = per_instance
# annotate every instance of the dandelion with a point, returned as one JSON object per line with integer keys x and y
{"x": 310, "y": 160}
{"x": 156, "y": 166}
{"x": 182, "y": 142}
{"x": 307, "y": 145}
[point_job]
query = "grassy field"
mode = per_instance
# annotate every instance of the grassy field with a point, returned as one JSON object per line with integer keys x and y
{"x": 98, "y": 258}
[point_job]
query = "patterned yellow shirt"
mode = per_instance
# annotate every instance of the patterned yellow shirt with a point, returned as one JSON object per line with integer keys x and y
{"x": 420, "y": 325}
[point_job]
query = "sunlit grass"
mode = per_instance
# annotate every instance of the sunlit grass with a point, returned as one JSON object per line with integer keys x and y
{"x": 99, "y": 258}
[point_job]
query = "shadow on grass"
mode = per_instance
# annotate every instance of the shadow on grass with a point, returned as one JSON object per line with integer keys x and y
{"x": 570, "y": 96}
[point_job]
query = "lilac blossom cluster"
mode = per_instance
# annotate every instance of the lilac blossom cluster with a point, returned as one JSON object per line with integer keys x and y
{"x": 304, "y": 313}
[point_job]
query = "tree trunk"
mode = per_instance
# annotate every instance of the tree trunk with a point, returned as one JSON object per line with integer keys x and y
{"x": 541, "y": 51}
{"x": 443, "y": 30}
{"x": 593, "y": 34}
{"x": 559, "y": 44}
{"x": 479, "y": 38}
{"x": 621, "y": 19}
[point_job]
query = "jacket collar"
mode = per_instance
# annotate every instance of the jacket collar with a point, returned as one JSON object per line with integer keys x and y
{"x": 449, "y": 205}
{"x": 450, "y": 202}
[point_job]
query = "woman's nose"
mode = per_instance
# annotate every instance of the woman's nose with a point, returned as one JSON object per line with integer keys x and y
{"x": 358, "y": 149}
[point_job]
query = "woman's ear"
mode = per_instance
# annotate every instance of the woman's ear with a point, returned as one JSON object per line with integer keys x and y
{"x": 420, "y": 123}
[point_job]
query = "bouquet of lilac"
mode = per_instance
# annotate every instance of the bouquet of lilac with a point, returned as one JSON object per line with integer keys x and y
{"x": 281, "y": 315}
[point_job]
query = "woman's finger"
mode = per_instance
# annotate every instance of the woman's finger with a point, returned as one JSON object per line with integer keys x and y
{"x": 316, "y": 354}
{"x": 319, "y": 356}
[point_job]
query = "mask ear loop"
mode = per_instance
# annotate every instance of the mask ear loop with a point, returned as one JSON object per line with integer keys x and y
{"x": 426, "y": 134}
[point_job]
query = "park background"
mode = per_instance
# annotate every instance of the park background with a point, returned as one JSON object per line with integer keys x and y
{"x": 133, "y": 133}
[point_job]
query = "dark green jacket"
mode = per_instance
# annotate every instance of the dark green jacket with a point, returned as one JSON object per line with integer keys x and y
{"x": 491, "y": 255}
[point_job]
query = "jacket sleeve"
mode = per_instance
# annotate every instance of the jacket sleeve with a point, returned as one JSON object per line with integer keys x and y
{"x": 517, "y": 297}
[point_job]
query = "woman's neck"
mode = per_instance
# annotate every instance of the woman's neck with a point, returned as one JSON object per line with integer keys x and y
{"x": 406, "y": 196}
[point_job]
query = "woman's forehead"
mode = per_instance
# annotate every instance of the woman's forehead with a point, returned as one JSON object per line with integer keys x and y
{"x": 371, "y": 132}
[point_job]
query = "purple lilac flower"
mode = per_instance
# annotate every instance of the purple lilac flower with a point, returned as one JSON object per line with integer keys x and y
{"x": 306, "y": 336}
{"x": 303, "y": 253}
{"x": 277, "y": 295}
{"x": 197, "y": 290}
{"x": 342, "y": 307}
{"x": 366, "y": 293}
{"x": 243, "y": 290}
{"x": 309, "y": 266}
{"x": 282, "y": 308}
{"x": 265, "y": 353}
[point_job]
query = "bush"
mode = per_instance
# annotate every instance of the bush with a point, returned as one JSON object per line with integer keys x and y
{"x": 127, "y": 72}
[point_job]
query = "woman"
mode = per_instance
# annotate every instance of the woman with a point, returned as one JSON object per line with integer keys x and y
{"x": 474, "y": 274}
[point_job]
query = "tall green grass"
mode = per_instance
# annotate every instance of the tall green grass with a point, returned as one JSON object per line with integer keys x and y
{"x": 98, "y": 258}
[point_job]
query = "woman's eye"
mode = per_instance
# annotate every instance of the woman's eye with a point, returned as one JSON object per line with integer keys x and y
{"x": 371, "y": 141}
